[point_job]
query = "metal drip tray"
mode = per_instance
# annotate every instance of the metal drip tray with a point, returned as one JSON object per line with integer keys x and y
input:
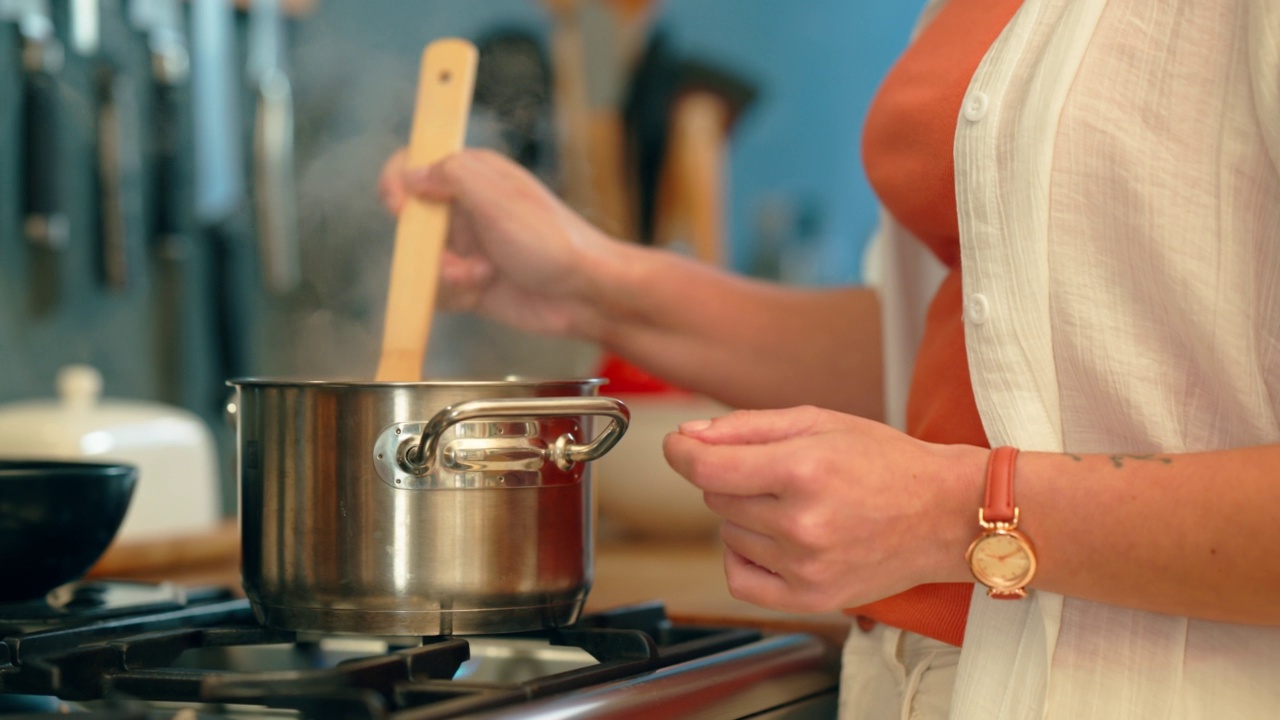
{"x": 516, "y": 660}
{"x": 493, "y": 659}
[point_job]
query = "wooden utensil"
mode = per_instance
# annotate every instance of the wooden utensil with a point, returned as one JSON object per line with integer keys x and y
{"x": 692, "y": 186}
{"x": 445, "y": 86}
{"x": 588, "y": 74}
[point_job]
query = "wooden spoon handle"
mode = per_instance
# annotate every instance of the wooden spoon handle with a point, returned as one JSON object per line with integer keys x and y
{"x": 445, "y": 86}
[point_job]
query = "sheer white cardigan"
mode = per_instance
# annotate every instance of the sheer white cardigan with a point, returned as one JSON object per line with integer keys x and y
{"x": 1119, "y": 199}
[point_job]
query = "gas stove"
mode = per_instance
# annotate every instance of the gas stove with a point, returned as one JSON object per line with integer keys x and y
{"x": 129, "y": 650}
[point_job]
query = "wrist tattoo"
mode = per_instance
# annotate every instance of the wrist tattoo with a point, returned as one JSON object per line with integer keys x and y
{"x": 1118, "y": 460}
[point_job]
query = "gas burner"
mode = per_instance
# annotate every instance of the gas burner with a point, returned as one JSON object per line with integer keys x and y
{"x": 214, "y": 660}
{"x": 89, "y": 601}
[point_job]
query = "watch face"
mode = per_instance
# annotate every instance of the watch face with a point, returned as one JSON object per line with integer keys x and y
{"x": 1002, "y": 559}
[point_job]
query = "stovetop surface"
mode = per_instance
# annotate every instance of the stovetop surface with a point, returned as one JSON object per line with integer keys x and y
{"x": 123, "y": 650}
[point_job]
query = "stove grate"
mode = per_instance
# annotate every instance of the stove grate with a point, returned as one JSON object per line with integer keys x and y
{"x": 135, "y": 660}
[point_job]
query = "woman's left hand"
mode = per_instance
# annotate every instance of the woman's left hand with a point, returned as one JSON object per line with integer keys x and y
{"x": 824, "y": 510}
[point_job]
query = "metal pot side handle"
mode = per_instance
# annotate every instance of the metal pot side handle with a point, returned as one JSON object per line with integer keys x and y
{"x": 565, "y": 452}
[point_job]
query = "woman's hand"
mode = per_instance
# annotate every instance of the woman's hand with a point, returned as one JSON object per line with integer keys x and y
{"x": 515, "y": 252}
{"x": 824, "y": 510}
{"x": 518, "y": 255}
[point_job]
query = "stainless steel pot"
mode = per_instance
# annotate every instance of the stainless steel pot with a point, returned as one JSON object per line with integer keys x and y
{"x": 432, "y": 508}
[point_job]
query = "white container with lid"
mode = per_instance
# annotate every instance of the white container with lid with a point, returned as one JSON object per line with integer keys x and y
{"x": 173, "y": 449}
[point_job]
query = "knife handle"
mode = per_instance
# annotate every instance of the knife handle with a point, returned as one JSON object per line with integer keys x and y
{"x": 120, "y": 178}
{"x": 45, "y": 224}
{"x": 172, "y": 174}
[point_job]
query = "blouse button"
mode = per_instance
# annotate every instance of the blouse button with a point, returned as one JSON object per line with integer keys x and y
{"x": 975, "y": 106}
{"x": 976, "y": 308}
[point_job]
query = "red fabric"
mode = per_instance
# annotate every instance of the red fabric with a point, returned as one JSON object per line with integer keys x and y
{"x": 624, "y": 377}
{"x": 907, "y": 150}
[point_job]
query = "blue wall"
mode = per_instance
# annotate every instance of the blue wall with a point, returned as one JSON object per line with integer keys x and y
{"x": 818, "y": 63}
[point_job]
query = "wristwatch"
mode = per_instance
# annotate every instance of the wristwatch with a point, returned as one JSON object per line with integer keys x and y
{"x": 1001, "y": 557}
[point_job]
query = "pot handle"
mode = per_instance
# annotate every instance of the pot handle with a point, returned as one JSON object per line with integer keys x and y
{"x": 564, "y": 452}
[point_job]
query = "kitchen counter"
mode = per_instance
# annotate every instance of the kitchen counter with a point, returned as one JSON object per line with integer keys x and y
{"x": 687, "y": 577}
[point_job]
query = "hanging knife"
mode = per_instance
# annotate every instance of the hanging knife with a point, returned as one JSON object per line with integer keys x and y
{"x": 274, "y": 193}
{"x": 45, "y": 222}
{"x": 219, "y": 187}
{"x": 119, "y": 176}
{"x": 160, "y": 22}
{"x": 219, "y": 182}
{"x": 120, "y": 166}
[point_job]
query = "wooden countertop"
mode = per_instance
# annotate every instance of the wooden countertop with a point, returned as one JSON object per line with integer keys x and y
{"x": 687, "y": 577}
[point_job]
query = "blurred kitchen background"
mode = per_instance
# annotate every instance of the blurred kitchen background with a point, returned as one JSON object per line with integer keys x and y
{"x": 187, "y": 189}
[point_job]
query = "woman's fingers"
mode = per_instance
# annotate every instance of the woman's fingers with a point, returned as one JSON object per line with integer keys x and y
{"x": 758, "y": 513}
{"x": 756, "y": 452}
{"x": 391, "y": 185}
{"x": 752, "y": 582}
{"x": 516, "y": 251}
{"x": 472, "y": 177}
{"x": 758, "y": 548}
{"x": 742, "y": 470}
{"x": 463, "y": 279}
{"x": 753, "y": 427}
{"x": 440, "y": 181}
{"x": 447, "y": 180}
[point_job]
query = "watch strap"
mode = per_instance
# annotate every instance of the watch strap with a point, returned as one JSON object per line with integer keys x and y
{"x": 998, "y": 506}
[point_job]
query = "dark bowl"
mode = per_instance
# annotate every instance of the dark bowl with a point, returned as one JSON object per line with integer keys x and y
{"x": 56, "y": 520}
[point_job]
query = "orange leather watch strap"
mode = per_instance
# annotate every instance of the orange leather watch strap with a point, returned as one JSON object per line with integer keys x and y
{"x": 998, "y": 505}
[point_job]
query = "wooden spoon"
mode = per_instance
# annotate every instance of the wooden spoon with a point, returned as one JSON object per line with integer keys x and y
{"x": 445, "y": 86}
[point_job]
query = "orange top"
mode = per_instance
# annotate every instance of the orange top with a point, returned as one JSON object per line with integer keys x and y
{"x": 907, "y": 150}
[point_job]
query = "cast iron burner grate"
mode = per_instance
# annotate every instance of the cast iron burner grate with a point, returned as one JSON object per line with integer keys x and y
{"x": 130, "y": 662}
{"x": 85, "y": 602}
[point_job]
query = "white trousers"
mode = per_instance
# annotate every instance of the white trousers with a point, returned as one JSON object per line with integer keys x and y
{"x": 890, "y": 674}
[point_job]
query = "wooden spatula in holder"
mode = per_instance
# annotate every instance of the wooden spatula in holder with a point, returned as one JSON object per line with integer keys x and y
{"x": 445, "y": 85}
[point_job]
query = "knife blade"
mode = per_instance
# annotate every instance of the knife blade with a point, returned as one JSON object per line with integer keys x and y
{"x": 274, "y": 192}
{"x": 219, "y": 167}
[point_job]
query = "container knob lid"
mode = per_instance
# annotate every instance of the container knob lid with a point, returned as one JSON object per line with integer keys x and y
{"x": 79, "y": 386}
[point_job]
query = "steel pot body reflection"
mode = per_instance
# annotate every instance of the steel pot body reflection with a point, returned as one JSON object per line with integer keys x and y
{"x": 432, "y": 508}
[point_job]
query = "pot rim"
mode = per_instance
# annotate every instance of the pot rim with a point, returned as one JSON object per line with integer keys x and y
{"x": 509, "y": 381}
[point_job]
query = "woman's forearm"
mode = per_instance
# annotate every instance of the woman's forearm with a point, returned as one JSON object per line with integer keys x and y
{"x": 1184, "y": 534}
{"x": 519, "y": 255}
{"x": 744, "y": 342}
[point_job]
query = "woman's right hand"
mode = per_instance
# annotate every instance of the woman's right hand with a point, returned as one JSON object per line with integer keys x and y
{"x": 515, "y": 252}
{"x": 518, "y": 255}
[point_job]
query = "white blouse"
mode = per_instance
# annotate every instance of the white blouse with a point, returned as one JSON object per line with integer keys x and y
{"x": 1119, "y": 197}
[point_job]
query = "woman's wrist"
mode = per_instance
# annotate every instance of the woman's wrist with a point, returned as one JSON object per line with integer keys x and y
{"x": 608, "y": 270}
{"x": 962, "y": 480}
